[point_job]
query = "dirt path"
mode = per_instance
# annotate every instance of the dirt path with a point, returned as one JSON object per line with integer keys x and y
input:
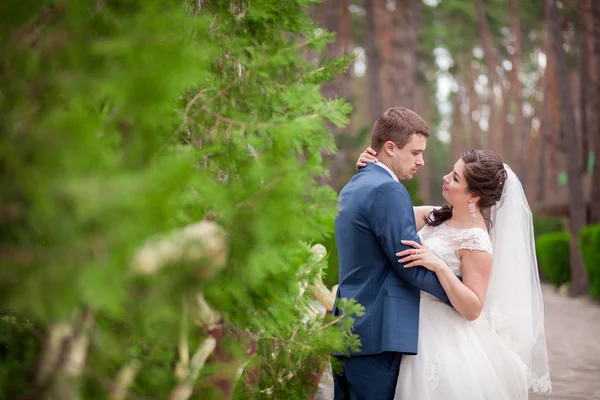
{"x": 573, "y": 338}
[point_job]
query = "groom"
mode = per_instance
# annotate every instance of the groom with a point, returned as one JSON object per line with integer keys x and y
{"x": 375, "y": 214}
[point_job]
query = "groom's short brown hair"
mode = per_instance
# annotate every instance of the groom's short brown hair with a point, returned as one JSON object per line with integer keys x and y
{"x": 397, "y": 124}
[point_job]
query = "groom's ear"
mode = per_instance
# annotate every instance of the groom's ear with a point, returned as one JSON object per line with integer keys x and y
{"x": 388, "y": 148}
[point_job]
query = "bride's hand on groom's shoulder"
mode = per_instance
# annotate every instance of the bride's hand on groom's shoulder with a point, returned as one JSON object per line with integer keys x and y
{"x": 365, "y": 157}
{"x": 419, "y": 255}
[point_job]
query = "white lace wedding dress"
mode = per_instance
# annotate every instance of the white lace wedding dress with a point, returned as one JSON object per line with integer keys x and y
{"x": 458, "y": 359}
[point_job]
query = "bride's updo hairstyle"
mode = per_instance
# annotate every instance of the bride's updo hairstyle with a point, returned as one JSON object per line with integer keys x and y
{"x": 485, "y": 175}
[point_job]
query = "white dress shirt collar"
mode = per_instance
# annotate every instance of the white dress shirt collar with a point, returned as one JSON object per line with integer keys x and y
{"x": 382, "y": 165}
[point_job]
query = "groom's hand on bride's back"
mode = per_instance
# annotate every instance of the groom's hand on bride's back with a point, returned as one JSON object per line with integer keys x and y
{"x": 367, "y": 156}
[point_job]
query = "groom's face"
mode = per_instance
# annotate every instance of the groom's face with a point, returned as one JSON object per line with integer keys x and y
{"x": 407, "y": 161}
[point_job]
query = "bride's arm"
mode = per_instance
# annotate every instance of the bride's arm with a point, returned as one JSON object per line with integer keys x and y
{"x": 466, "y": 297}
{"x": 420, "y": 213}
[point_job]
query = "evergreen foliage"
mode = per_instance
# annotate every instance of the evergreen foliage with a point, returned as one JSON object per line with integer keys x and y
{"x": 553, "y": 252}
{"x": 123, "y": 123}
{"x": 542, "y": 225}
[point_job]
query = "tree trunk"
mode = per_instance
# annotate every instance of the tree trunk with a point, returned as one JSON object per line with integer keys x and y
{"x": 544, "y": 151}
{"x": 595, "y": 189}
{"x": 491, "y": 61}
{"x": 373, "y": 56}
{"x": 473, "y": 128}
{"x": 458, "y": 145}
{"x": 332, "y": 22}
{"x": 407, "y": 21}
{"x": 423, "y": 100}
{"x": 575, "y": 86}
{"x": 460, "y": 124}
{"x": 385, "y": 33}
{"x": 533, "y": 155}
{"x": 520, "y": 133}
{"x": 344, "y": 32}
{"x": 579, "y": 280}
{"x": 592, "y": 92}
{"x": 335, "y": 17}
{"x": 506, "y": 146}
{"x": 544, "y": 135}
{"x": 555, "y": 148}
{"x": 584, "y": 85}
{"x": 339, "y": 167}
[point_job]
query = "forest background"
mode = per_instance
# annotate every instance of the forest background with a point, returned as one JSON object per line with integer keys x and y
{"x": 517, "y": 77}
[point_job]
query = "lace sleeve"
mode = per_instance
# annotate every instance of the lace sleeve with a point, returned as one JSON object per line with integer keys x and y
{"x": 475, "y": 239}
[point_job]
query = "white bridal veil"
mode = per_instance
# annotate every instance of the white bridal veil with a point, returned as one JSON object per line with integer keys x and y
{"x": 514, "y": 303}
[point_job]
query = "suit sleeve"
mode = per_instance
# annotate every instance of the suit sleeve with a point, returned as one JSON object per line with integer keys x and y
{"x": 393, "y": 220}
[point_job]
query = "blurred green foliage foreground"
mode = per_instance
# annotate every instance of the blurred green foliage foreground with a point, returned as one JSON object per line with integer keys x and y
{"x": 159, "y": 166}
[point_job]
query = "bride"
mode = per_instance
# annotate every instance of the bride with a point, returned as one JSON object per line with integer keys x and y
{"x": 491, "y": 344}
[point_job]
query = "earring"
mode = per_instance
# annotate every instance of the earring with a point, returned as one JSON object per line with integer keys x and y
{"x": 472, "y": 209}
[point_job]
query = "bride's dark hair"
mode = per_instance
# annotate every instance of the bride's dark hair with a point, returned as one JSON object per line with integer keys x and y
{"x": 485, "y": 175}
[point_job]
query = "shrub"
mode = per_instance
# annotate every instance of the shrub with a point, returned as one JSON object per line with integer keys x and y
{"x": 542, "y": 225}
{"x": 159, "y": 171}
{"x": 590, "y": 248}
{"x": 554, "y": 255}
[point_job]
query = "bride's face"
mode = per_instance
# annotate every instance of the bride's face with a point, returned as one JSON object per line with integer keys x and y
{"x": 455, "y": 189}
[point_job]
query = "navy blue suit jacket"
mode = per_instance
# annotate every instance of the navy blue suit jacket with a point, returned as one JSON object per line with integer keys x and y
{"x": 375, "y": 214}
